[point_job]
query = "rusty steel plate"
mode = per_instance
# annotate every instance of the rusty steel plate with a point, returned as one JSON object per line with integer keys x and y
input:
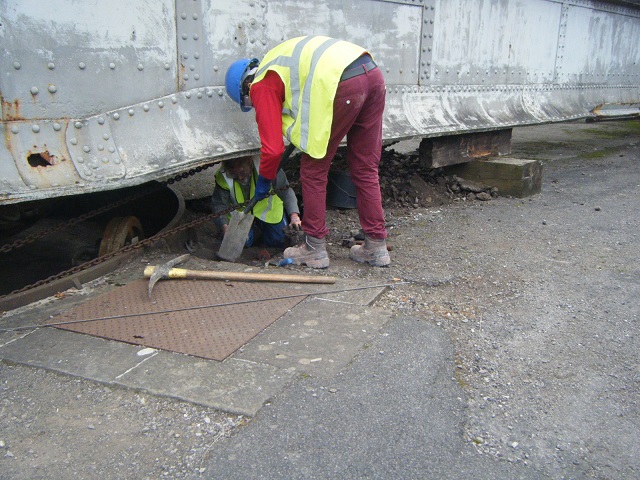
{"x": 184, "y": 316}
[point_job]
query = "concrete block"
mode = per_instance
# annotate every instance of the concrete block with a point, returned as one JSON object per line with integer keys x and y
{"x": 72, "y": 354}
{"x": 319, "y": 337}
{"x": 515, "y": 177}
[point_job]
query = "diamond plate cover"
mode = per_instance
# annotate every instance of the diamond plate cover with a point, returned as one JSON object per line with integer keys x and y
{"x": 185, "y": 316}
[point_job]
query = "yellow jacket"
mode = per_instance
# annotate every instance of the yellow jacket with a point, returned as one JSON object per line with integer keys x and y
{"x": 310, "y": 68}
{"x": 269, "y": 210}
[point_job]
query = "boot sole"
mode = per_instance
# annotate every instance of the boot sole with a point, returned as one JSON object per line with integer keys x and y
{"x": 322, "y": 263}
{"x": 379, "y": 262}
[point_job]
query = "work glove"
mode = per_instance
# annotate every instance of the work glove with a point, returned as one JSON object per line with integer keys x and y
{"x": 262, "y": 188}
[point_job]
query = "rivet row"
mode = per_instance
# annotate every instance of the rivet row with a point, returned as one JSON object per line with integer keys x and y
{"x": 112, "y": 65}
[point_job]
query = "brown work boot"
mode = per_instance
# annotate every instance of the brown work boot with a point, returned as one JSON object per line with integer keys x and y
{"x": 313, "y": 253}
{"x": 374, "y": 252}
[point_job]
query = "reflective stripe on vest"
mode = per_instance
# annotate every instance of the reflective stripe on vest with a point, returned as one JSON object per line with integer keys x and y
{"x": 310, "y": 68}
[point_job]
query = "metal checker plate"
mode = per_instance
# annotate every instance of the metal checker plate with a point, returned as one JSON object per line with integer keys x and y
{"x": 212, "y": 333}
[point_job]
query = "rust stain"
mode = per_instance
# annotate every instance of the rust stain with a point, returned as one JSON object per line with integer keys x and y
{"x": 11, "y": 110}
{"x": 480, "y": 153}
{"x": 182, "y": 70}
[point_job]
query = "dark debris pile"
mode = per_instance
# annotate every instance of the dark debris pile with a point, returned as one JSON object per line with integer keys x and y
{"x": 405, "y": 183}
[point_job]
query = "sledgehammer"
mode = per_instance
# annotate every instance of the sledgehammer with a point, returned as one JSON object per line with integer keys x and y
{"x": 168, "y": 272}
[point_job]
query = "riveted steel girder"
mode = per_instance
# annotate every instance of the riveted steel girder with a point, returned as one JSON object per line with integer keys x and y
{"x": 104, "y": 95}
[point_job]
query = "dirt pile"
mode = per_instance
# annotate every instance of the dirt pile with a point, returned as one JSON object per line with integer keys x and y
{"x": 404, "y": 182}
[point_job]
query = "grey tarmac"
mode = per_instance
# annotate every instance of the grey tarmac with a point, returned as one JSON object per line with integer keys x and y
{"x": 505, "y": 347}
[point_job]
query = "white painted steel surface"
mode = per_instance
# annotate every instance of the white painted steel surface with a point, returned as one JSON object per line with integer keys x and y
{"x": 103, "y": 95}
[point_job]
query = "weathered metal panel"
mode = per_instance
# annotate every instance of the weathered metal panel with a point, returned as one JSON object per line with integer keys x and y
{"x": 178, "y": 129}
{"x": 10, "y": 180}
{"x": 249, "y": 28}
{"x": 494, "y": 42}
{"x": 42, "y": 164}
{"x": 82, "y": 58}
{"x": 93, "y": 150}
{"x": 103, "y": 95}
{"x": 600, "y": 48}
{"x": 170, "y": 323}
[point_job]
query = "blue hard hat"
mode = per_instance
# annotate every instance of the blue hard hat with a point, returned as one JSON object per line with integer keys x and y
{"x": 236, "y": 74}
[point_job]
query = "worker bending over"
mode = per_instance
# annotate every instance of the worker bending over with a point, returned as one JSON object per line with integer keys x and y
{"x": 316, "y": 90}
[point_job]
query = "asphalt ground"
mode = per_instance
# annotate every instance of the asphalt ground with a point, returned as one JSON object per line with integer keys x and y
{"x": 510, "y": 352}
{"x": 515, "y": 358}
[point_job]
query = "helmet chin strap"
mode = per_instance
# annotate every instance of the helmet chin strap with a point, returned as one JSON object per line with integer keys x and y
{"x": 249, "y": 74}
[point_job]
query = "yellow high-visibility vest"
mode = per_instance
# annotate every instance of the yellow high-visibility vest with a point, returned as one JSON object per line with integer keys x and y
{"x": 269, "y": 210}
{"x": 310, "y": 68}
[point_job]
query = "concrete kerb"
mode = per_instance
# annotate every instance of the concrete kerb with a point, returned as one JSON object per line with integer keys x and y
{"x": 318, "y": 337}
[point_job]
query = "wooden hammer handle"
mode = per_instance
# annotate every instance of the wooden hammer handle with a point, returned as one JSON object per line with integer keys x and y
{"x": 175, "y": 273}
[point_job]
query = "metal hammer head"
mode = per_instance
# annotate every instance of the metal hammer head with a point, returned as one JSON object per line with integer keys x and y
{"x": 162, "y": 271}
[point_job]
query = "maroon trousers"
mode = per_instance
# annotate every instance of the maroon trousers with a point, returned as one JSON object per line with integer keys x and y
{"x": 357, "y": 114}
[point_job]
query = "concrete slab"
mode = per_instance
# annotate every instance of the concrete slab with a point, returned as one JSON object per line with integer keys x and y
{"x": 398, "y": 414}
{"x": 72, "y": 354}
{"x": 234, "y": 386}
{"x": 344, "y": 291}
{"x": 12, "y": 336}
{"x": 318, "y": 337}
{"x": 354, "y": 294}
